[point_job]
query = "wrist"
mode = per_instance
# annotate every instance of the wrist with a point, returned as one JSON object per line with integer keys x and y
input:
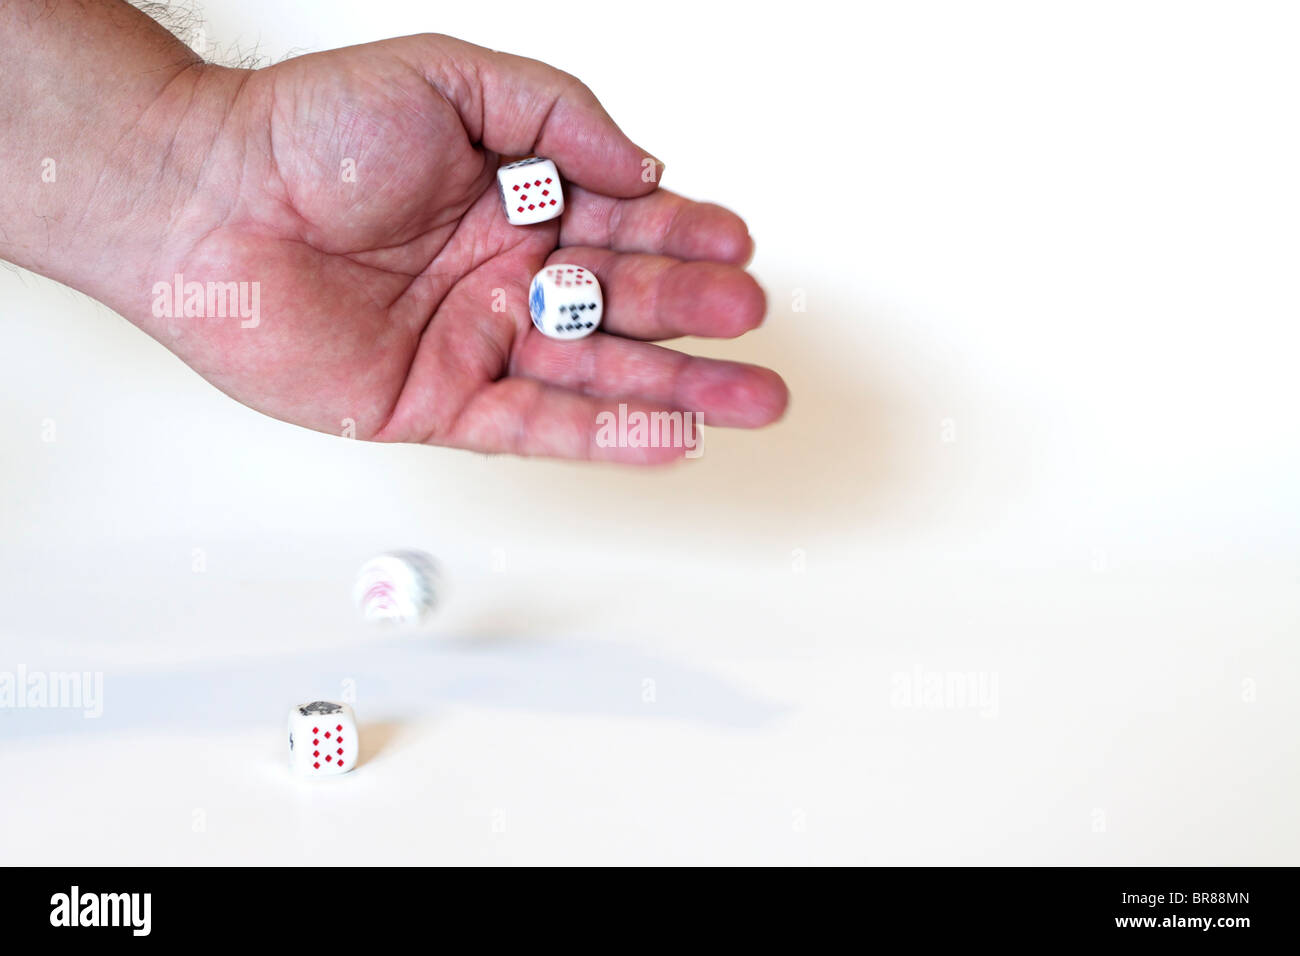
{"x": 142, "y": 202}
{"x": 108, "y": 125}
{"x": 155, "y": 203}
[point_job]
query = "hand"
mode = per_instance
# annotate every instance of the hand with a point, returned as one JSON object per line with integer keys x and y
{"x": 377, "y": 290}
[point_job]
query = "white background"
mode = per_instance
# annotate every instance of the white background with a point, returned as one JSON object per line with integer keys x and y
{"x": 1043, "y": 432}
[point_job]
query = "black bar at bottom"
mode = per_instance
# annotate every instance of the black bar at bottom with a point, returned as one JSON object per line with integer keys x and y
{"x": 335, "y": 906}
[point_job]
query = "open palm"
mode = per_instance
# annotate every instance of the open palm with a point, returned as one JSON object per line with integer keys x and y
{"x": 357, "y": 188}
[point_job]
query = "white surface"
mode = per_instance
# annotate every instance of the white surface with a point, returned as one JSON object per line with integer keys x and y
{"x": 1043, "y": 432}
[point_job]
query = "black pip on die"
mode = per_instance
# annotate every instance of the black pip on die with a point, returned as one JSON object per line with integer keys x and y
{"x": 322, "y": 739}
{"x": 565, "y": 301}
{"x": 530, "y": 190}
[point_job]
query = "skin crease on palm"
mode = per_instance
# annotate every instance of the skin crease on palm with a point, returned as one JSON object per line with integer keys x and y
{"x": 377, "y": 294}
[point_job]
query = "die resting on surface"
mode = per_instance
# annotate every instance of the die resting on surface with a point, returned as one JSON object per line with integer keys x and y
{"x": 530, "y": 191}
{"x": 322, "y": 739}
{"x": 565, "y": 301}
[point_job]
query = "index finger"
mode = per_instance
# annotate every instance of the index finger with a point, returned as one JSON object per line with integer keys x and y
{"x": 516, "y": 106}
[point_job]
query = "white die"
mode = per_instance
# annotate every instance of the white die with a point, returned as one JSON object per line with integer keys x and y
{"x": 565, "y": 301}
{"x": 530, "y": 190}
{"x": 322, "y": 739}
{"x": 400, "y": 587}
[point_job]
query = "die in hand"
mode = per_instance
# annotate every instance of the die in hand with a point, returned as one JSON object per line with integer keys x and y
{"x": 530, "y": 190}
{"x": 565, "y": 301}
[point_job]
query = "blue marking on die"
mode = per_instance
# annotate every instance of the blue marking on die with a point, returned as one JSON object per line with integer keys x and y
{"x": 537, "y": 303}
